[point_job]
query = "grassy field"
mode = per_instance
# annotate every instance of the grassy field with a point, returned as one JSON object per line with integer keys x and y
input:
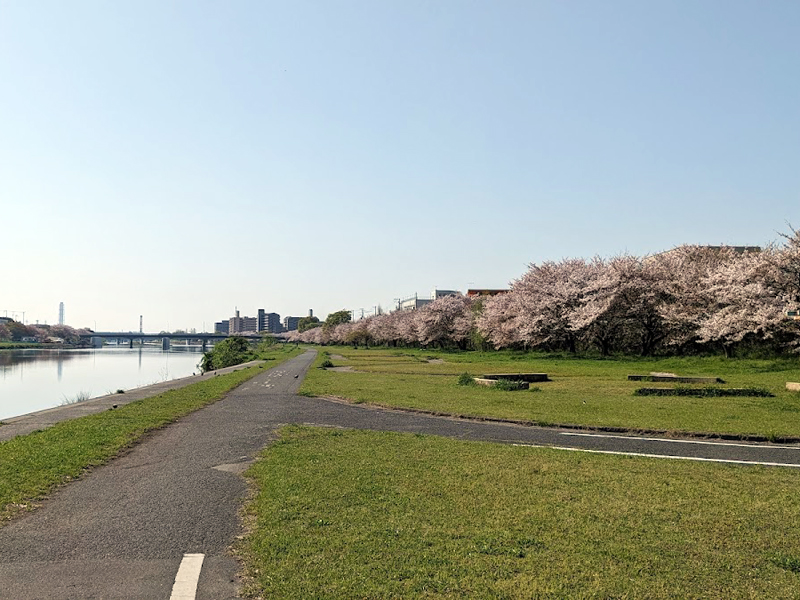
{"x": 590, "y": 392}
{"x": 354, "y": 514}
{"x": 32, "y": 465}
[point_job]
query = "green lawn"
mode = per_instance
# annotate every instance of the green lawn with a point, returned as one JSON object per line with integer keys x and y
{"x": 354, "y": 514}
{"x": 591, "y": 392}
{"x": 32, "y": 465}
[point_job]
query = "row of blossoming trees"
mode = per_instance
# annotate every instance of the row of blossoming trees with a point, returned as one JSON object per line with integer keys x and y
{"x": 15, "y": 331}
{"x": 691, "y": 298}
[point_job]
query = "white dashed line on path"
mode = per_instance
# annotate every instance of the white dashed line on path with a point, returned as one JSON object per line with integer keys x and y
{"x": 629, "y": 437}
{"x": 185, "y": 587}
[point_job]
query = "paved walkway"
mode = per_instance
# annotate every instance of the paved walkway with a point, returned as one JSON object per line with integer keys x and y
{"x": 125, "y": 530}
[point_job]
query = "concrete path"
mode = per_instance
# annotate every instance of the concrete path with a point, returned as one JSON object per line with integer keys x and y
{"x": 170, "y": 505}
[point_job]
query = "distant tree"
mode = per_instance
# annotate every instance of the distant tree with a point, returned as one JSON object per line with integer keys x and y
{"x": 337, "y": 318}
{"x": 19, "y": 331}
{"x": 497, "y": 322}
{"x": 66, "y": 333}
{"x": 5, "y": 332}
{"x": 40, "y": 333}
{"x": 306, "y": 323}
{"x": 445, "y": 321}
{"x": 359, "y": 333}
{"x": 230, "y": 351}
{"x": 383, "y": 329}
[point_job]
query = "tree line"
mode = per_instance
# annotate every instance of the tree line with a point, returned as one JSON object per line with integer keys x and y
{"x": 688, "y": 300}
{"x": 14, "y": 331}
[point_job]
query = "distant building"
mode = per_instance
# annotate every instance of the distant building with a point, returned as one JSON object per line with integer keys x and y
{"x": 222, "y": 327}
{"x": 484, "y": 292}
{"x": 270, "y": 322}
{"x": 234, "y": 324}
{"x": 415, "y": 302}
{"x": 290, "y": 323}
{"x": 436, "y": 294}
{"x": 237, "y": 324}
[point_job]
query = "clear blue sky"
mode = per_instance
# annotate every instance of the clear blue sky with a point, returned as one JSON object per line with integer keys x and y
{"x": 177, "y": 159}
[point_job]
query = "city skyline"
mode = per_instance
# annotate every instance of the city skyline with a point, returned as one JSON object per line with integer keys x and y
{"x": 172, "y": 161}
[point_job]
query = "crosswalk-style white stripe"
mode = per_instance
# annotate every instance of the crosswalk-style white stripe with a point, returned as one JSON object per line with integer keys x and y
{"x": 185, "y": 587}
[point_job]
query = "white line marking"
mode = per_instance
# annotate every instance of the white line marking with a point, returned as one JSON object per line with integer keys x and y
{"x": 185, "y": 587}
{"x": 697, "y": 458}
{"x": 649, "y": 439}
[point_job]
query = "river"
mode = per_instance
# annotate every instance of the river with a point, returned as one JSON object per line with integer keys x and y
{"x": 32, "y": 380}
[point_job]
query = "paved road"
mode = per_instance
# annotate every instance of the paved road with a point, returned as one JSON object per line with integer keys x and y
{"x": 123, "y": 531}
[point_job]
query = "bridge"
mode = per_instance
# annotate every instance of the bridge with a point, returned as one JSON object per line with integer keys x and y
{"x": 97, "y": 337}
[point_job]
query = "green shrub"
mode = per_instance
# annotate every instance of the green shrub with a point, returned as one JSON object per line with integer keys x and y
{"x": 230, "y": 351}
{"x": 325, "y": 364}
{"x": 466, "y": 379}
{"x": 508, "y": 385}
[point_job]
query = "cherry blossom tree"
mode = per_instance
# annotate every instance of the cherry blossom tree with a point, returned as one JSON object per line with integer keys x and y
{"x": 741, "y": 301}
{"x": 686, "y": 271}
{"x": 497, "y": 322}
{"x": 65, "y": 332}
{"x": 445, "y": 321}
{"x": 640, "y": 292}
{"x": 787, "y": 264}
{"x": 545, "y": 300}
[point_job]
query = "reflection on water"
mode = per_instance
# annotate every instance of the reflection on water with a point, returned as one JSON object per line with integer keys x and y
{"x": 33, "y": 379}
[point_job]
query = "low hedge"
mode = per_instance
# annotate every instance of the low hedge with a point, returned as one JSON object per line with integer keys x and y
{"x": 706, "y": 392}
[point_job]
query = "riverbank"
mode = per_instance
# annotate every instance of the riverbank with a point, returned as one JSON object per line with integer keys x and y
{"x": 27, "y": 423}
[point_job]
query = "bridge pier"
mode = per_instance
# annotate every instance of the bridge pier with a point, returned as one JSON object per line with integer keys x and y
{"x": 130, "y": 343}
{"x": 165, "y": 343}
{"x": 205, "y": 344}
{"x": 97, "y": 342}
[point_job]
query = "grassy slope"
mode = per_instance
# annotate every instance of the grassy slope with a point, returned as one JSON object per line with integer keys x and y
{"x": 583, "y": 391}
{"x": 31, "y": 466}
{"x": 378, "y": 515}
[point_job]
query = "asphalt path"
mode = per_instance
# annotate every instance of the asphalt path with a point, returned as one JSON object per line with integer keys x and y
{"x": 167, "y": 509}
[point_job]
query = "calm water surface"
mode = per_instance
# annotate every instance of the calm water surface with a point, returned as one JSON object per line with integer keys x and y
{"x": 32, "y": 380}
